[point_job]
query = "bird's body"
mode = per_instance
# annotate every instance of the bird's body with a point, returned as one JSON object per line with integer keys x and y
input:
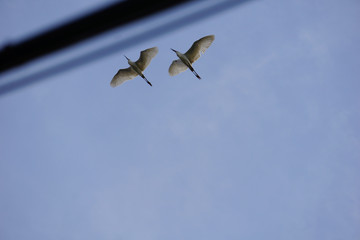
{"x": 185, "y": 60}
{"x": 136, "y": 68}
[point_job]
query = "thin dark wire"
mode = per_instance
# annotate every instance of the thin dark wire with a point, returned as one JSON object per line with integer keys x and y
{"x": 111, "y": 49}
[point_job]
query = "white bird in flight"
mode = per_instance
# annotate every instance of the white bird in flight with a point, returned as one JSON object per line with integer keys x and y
{"x": 185, "y": 60}
{"x": 136, "y": 68}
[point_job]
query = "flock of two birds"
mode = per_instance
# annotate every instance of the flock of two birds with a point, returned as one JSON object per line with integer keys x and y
{"x": 184, "y": 62}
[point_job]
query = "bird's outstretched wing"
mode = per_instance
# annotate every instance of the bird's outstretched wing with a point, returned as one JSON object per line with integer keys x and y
{"x": 123, "y": 75}
{"x": 145, "y": 57}
{"x": 177, "y": 67}
{"x": 199, "y": 47}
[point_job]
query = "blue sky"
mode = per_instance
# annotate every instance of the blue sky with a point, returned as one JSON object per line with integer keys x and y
{"x": 266, "y": 145}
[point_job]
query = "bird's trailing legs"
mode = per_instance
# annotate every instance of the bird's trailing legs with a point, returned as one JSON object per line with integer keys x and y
{"x": 195, "y": 73}
{"x": 146, "y": 80}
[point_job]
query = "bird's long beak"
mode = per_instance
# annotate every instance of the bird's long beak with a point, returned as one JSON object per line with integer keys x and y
{"x": 173, "y": 49}
{"x": 126, "y": 57}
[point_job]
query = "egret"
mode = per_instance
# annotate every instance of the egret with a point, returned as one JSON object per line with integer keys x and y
{"x": 186, "y": 60}
{"x": 136, "y": 68}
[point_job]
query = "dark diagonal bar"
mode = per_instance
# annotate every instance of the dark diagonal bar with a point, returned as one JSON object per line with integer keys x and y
{"x": 73, "y": 32}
